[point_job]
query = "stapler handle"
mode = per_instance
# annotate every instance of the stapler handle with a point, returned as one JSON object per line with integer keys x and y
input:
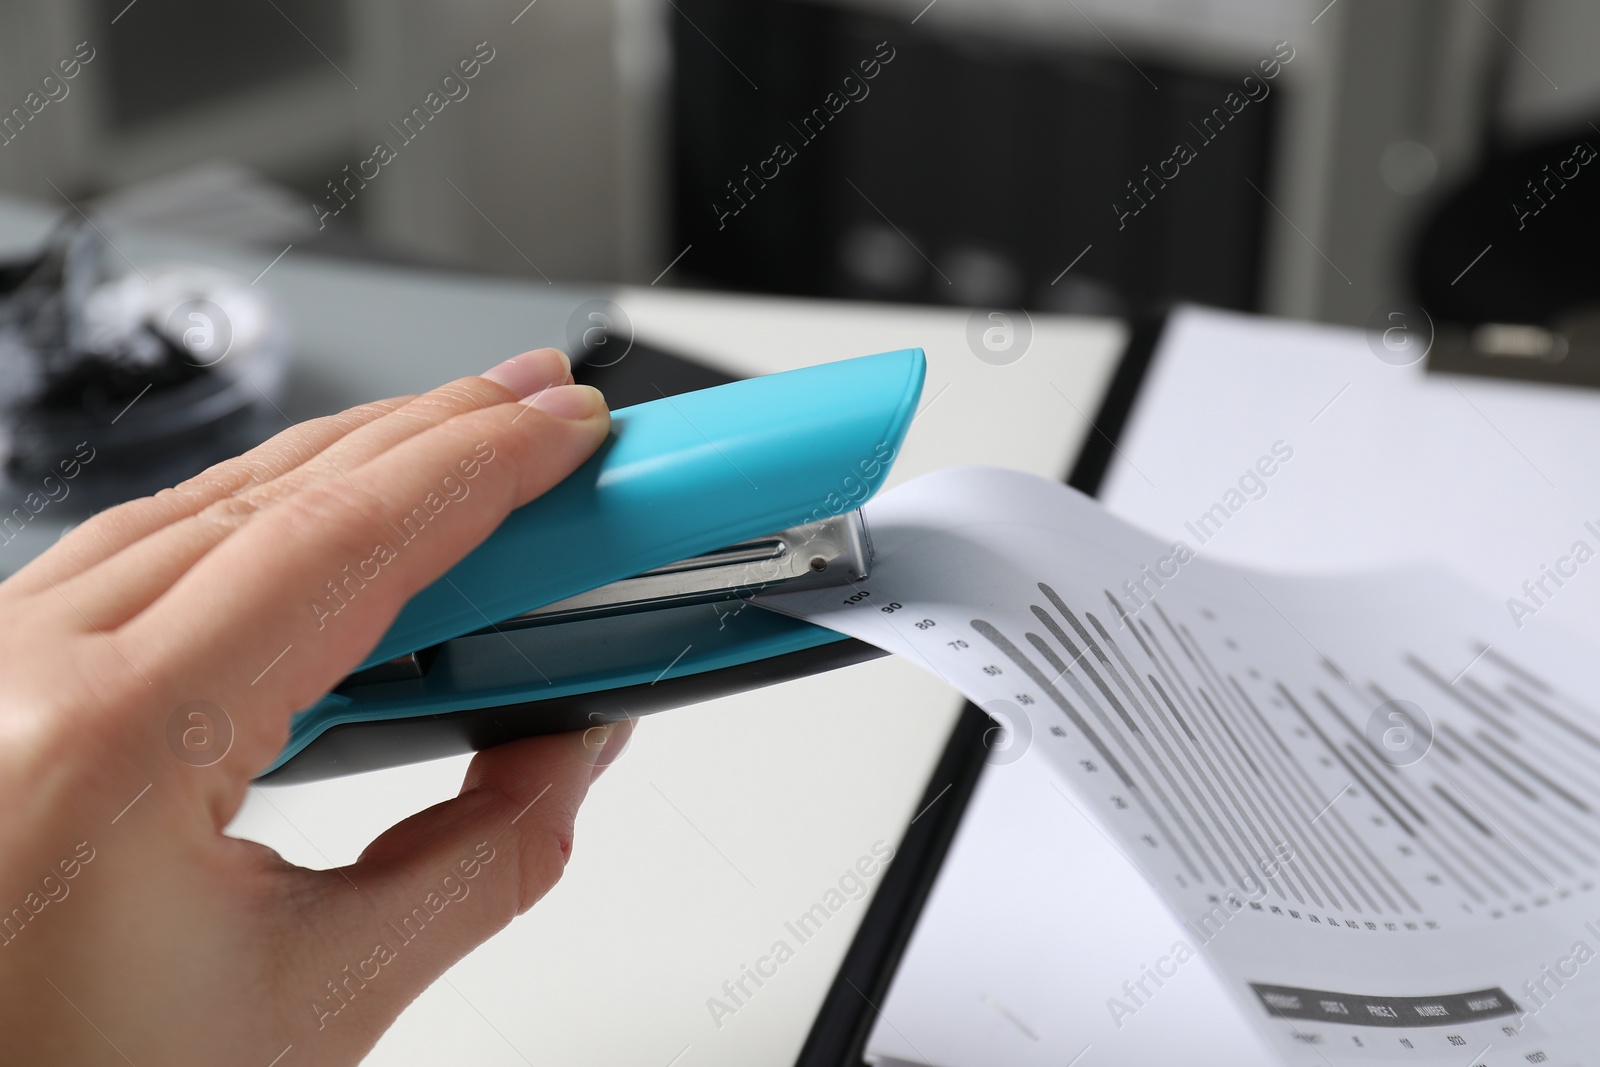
{"x": 676, "y": 477}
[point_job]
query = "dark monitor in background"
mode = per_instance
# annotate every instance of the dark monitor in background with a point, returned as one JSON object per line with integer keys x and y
{"x": 820, "y": 151}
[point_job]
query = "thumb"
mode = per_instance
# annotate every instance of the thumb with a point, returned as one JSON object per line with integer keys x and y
{"x": 436, "y": 885}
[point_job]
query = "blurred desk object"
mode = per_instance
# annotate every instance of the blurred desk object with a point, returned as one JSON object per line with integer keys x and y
{"x": 1510, "y": 293}
{"x": 724, "y": 820}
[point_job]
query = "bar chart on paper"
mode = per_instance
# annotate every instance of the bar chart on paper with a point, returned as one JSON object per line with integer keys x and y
{"x": 1388, "y": 806}
{"x": 1499, "y": 822}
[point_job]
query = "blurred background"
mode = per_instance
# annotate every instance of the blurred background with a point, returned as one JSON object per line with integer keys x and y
{"x": 1348, "y": 162}
{"x": 547, "y": 162}
{"x": 603, "y": 140}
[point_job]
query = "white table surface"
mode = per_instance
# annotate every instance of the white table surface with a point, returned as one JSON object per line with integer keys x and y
{"x": 722, "y": 820}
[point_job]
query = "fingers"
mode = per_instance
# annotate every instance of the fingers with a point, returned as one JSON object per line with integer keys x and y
{"x": 440, "y": 883}
{"x": 521, "y": 798}
{"x": 278, "y": 612}
{"x": 112, "y": 530}
{"x": 521, "y": 376}
{"x": 114, "y": 592}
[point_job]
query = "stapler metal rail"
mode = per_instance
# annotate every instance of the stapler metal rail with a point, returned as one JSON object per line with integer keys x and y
{"x": 625, "y": 590}
{"x": 831, "y": 552}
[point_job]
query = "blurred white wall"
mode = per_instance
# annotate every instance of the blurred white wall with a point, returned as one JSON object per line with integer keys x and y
{"x": 540, "y": 144}
{"x": 1555, "y": 82}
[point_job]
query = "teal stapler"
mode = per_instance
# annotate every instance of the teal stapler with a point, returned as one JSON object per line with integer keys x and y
{"x": 624, "y": 590}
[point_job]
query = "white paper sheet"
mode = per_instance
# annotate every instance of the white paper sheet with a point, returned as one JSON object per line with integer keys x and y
{"x": 1369, "y": 800}
{"x": 1391, "y": 465}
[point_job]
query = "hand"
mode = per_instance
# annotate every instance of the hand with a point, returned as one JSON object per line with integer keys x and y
{"x": 132, "y": 930}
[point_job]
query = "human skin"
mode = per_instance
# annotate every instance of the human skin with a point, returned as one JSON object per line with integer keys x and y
{"x": 172, "y": 943}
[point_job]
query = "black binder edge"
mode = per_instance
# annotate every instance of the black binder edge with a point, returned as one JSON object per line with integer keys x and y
{"x": 839, "y": 1033}
{"x": 1116, "y": 406}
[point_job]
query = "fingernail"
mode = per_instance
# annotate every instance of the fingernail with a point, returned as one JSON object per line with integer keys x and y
{"x": 530, "y": 372}
{"x": 568, "y": 401}
{"x": 615, "y": 744}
